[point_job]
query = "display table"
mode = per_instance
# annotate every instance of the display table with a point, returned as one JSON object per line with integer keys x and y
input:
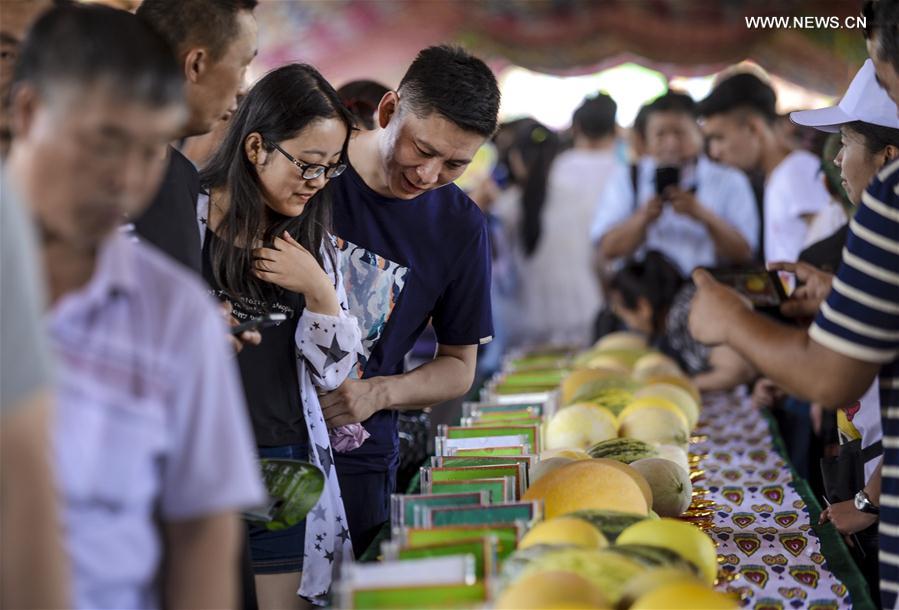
{"x": 763, "y": 522}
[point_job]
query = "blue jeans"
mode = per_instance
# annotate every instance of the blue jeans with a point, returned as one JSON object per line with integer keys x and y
{"x": 282, "y": 551}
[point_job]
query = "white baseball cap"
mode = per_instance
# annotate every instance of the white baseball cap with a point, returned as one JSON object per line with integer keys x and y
{"x": 864, "y": 100}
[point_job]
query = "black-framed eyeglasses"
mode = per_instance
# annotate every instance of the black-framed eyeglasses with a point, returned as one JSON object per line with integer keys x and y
{"x": 311, "y": 171}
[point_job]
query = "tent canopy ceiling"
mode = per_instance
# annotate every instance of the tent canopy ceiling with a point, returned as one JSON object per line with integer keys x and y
{"x": 349, "y": 39}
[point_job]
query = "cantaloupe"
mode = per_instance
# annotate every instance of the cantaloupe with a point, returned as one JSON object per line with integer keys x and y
{"x": 592, "y": 484}
{"x": 679, "y": 536}
{"x": 677, "y": 395}
{"x": 544, "y": 467}
{"x": 654, "y": 420}
{"x": 672, "y": 491}
{"x": 571, "y": 454}
{"x": 580, "y": 426}
{"x": 551, "y": 589}
{"x": 684, "y": 596}
{"x": 565, "y": 530}
{"x": 655, "y": 364}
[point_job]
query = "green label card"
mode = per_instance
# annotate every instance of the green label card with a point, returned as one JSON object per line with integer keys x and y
{"x": 532, "y": 433}
{"x": 402, "y": 507}
{"x": 525, "y": 512}
{"x": 498, "y": 490}
{"x": 420, "y": 598}
{"x": 507, "y": 536}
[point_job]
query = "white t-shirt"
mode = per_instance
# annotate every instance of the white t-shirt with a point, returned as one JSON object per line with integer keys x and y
{"x": 559, "y": 295}
{"x": 793, "y": 190}
{"x": 827, "y": 222}
{"x": 862, "y": 420}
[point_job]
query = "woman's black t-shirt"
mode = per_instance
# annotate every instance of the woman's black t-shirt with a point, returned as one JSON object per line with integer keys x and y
{"x": 268, "y": 370}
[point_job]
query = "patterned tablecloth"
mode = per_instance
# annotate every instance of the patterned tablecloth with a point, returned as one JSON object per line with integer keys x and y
{"x": 761, "y": 525}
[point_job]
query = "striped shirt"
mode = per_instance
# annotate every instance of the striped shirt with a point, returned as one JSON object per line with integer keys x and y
{"x": 860, "y": 319}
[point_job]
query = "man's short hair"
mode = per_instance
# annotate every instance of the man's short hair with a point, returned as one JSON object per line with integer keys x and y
{"x": 673, "y": 101}
{"x": 86, "y": 45}
{"x": 882, "y": 22}
{"x": 595, "y": 117}
{"x": 743, "y": 91}
{"x": 455, "y": 84}
{"x": 195, "y": 23}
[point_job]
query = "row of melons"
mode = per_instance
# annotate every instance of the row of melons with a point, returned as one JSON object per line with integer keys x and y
{"x": 615, "y": 459}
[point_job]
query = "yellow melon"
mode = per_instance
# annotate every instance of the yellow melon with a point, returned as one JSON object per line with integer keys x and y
{"x": 649, "y": 581}
{"x": 677, "y": 395}
{"x": 654, "y": 420}
{"x": 621, "y": 340}
{"x": 655, "y": 364}
{"x": 608, "y": 363}
{"x": 551, "y": 589}
{"x": 580, "y": 426}
{"x": 685, "y": 539}
{"x": 592, "y": 484}
{"x": 684, "y": 596}
{"x": 678, "y": 380}
{"x": 579, "y": 378}
{"x": 564, "y": 530}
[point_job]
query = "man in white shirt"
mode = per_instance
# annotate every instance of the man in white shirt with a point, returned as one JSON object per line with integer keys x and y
{"x": 739, "y": 117}
{"x": 708, "y": 219}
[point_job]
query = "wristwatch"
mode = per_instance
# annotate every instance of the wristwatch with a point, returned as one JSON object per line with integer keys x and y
{"x": 864, "y": 504}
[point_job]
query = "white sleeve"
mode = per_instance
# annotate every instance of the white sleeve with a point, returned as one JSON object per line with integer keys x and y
{"x": 330, "y": 345}
{"x": 617, "y": 202}
{"x": 805, "y": 190}
{"x": 740, "y": 209}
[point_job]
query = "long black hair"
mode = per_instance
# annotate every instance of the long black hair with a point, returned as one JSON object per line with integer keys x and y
{"x": 656, "y": 278}
{"x": 278, "y": 107}
{"x": 538, "y": 146}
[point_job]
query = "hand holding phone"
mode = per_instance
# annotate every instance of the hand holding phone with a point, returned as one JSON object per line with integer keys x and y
{"x": 666, "y": 176}
{"x": 761, "y": 287}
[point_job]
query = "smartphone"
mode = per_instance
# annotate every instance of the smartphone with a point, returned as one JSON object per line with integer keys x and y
{"x": 667, "y": 176}
{"x": 258, "y": 323}
{"x": 763, "y": 288}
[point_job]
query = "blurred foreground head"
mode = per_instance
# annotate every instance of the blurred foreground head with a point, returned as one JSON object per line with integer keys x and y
{"x": 96, "y": 97}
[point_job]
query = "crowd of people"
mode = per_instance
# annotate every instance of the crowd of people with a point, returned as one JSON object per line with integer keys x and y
{"x": 150, "y": 201}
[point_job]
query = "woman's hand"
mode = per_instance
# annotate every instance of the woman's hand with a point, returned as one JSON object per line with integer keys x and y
{"x": 292, "y": 267}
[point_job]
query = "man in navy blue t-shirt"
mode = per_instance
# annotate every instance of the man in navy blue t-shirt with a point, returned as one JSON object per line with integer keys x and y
{"x": 415, "y": 249}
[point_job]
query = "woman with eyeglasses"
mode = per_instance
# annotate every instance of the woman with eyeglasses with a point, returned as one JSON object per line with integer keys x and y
{"x": 266, "y": 249}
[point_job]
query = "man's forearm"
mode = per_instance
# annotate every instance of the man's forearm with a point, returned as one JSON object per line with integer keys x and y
{"x": 793, "y": 361}
{"x": 624, "y": 238}
{"x": 202, "y": 562}
{"x": 729, "y": 243}
{"x": 444, "y": 378}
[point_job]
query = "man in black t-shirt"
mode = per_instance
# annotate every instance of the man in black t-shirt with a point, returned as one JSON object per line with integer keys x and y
{"x": 215, "y": 42}
{"x": 414, "y": 249}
